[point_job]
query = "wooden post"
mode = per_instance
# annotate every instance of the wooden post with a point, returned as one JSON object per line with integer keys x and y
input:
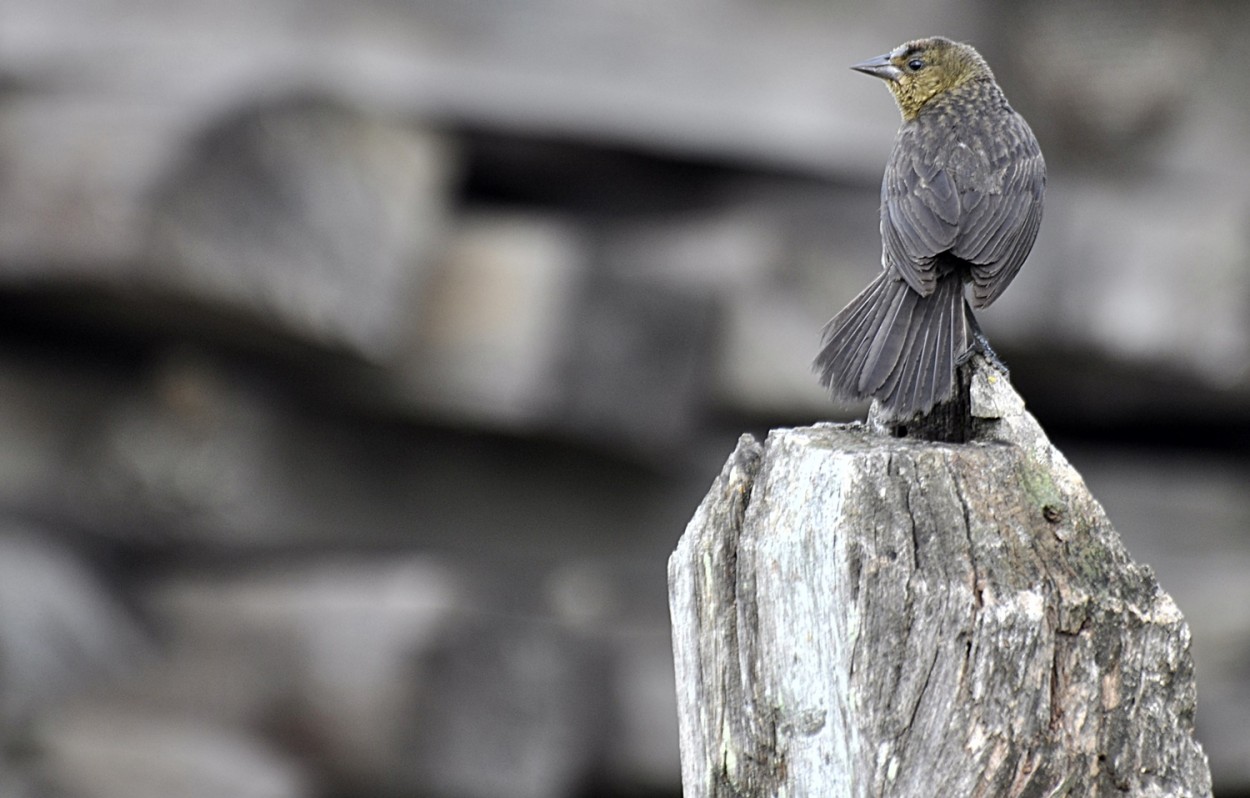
{"x": 861, "y": 615}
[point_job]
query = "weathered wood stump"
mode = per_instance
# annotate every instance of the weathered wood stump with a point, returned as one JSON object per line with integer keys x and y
{"x": 856, "y": 614}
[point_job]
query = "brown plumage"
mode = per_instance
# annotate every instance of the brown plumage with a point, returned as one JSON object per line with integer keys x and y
{"x": 960, "y": 203}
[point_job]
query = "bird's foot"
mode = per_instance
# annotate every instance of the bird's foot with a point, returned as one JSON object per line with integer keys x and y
{"x": 981, "y": 346}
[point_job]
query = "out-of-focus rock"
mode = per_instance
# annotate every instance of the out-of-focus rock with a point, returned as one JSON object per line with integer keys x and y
{"x": 772, "y": 260}
{"x": 525, "y": 697}
{"x": 1100, "y": 95}
{"x": 405, "y": 675}
{"x": 637, "y": 364}
{"x": 48, "y": 409}
{"x": 642, "y": 748}
{"x": 104, "y": 749}
{"x": 61, "y": 629}
{"x": 322, "y": 653}
{"x": 742, "y": 80}
{"x": 610, "y": 604}
{"x": 1168, "y": 258}
{"x": 493, "y": 326}
{"x": 308, "y": 214}
{"x": 78, "y": 172}
{"x": 524, "y": 328}
{"x": 192, "y": 451}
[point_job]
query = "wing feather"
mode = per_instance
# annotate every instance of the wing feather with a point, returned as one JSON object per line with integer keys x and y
{"x": 979, "y": 201}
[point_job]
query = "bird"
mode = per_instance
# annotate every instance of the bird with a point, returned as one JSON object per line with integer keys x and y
{"x": 961, "y": 203}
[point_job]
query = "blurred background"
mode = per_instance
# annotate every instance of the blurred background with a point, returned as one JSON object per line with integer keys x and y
{"x": 361, "y": 363}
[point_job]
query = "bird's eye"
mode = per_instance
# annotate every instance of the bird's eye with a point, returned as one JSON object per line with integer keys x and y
{"x": 915, "y": 65}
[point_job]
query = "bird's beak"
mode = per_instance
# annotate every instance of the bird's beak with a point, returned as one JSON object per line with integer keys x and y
{"x": 879, "y": 67}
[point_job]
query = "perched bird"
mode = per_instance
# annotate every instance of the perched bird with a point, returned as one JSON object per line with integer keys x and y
{"x": 961, "y": 202}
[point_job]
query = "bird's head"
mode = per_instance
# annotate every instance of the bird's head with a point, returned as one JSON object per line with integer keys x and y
{"x": 920, "y": 70}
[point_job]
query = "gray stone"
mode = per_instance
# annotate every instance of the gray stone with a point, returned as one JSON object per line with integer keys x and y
{"x": 105, "y": 749}
{"x": 333, "y": 646}
{"x": 636, "y": 364}
{"x": 61, "y": 629}
{"x": 1142, "y": 279}
{"x": 308, "y": 215}
{"x": 509, "y": 707}
{"x": 489, "y": 338}
{"x": 745, "y": 80}
{"x": 404, "y": 675}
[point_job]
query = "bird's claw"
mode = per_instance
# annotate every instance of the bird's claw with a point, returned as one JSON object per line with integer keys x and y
{"x": 981, "y": 345}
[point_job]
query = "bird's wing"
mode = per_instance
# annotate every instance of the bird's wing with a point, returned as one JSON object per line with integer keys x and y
{"x": 920, "y": 216}
{"x": 1000, "y": 225}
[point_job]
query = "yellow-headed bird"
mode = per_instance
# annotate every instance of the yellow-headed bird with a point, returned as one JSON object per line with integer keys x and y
{"x": 961, "y": 202}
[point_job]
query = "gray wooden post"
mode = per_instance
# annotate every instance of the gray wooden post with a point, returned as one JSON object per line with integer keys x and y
{"x": 861, "y": 615}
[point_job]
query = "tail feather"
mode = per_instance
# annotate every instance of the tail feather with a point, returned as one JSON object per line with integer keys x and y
{"x": 846, "y": 338}
{"x": 930, "y": 352}
{"x": 894, "y": 345}
{"x": 889, "y": 342}
{"x": 943, "y": 344}
{"x": 948, "y": 344}
{"x": 917, "y": 377}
